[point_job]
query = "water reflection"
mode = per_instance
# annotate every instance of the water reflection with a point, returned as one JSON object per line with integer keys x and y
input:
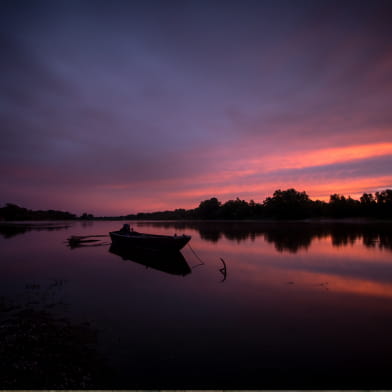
{"x": 8, "y": 230}
{"x": 286, "y": 236}
{"x": 84, "y": 241}
{"x": 170, "y": 262}
{"x": 290, "y": 237}
{"x": 317, "y": 310}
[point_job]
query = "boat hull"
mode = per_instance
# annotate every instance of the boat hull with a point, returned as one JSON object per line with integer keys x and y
{"x": 149, "y": 241}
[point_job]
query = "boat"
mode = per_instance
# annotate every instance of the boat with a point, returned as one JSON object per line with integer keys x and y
{"x": 127, "y": 237}
{"x": 172, "y": 262}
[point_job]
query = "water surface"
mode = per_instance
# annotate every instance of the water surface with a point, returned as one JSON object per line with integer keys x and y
{"x": 302, "y": 305}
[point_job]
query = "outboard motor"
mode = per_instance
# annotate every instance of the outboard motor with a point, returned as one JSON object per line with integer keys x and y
{"x": 125, "y": 228}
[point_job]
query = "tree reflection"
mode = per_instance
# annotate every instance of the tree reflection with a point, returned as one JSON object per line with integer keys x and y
{"x": 286, "y": 239}
{"x": 290, "y": 236}
{"x": 8, "y": 230}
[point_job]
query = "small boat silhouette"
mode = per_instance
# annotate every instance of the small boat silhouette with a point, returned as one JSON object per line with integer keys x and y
{"x": 127, "y": 237}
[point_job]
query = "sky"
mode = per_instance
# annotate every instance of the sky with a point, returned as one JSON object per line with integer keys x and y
{"x": 116, "y": 107}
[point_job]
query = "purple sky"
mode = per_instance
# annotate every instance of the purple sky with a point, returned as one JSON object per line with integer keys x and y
{"x": 114, "y": 107}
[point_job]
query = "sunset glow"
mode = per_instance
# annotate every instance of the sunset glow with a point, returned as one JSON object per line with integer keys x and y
{"x": 325, "y": 268}
{"x": 117, "y": 109}
{"x": 322, "y": 157}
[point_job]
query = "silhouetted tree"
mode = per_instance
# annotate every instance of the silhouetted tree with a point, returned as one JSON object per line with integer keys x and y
{"x": 288, "y": 204}
{"x": 341, "y": 207}
{"x": 256, "y": 210}
{"x": 209, "y": 209}
{"x": 319, "y": 208}
{"x": 87, "y": 216}
{"x": 337, "y": 204}
{"x": 384, "y": 203}
{"x": 235, "y": 209}
{"x": 384, "y": 197}
{"x": 367, "y": 199}
{"x": 368, "y": 204}
{"x": 13, "y": 212}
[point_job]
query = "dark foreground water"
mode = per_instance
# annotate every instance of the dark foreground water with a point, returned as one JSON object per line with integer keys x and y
{"x": 302, "y": 305}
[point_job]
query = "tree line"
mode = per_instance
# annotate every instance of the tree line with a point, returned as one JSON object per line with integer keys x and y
{"x": 286, "y": 204}
{"x": 11, "y": 212}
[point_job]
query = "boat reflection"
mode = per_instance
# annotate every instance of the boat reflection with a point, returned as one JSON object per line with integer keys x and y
{"x": 170, "y": 262}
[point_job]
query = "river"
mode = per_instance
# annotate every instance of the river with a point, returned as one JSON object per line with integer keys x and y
{"x": 259, "y": 305}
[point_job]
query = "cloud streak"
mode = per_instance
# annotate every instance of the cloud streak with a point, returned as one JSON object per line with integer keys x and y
{"x": 128, "y": 107}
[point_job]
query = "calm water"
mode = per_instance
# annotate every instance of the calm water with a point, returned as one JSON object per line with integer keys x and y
{"x": 302, "y": 305}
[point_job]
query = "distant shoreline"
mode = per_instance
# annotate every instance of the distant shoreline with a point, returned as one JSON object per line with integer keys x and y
{"x": 54, "y": 222}
{"x": 287, "y": 205}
